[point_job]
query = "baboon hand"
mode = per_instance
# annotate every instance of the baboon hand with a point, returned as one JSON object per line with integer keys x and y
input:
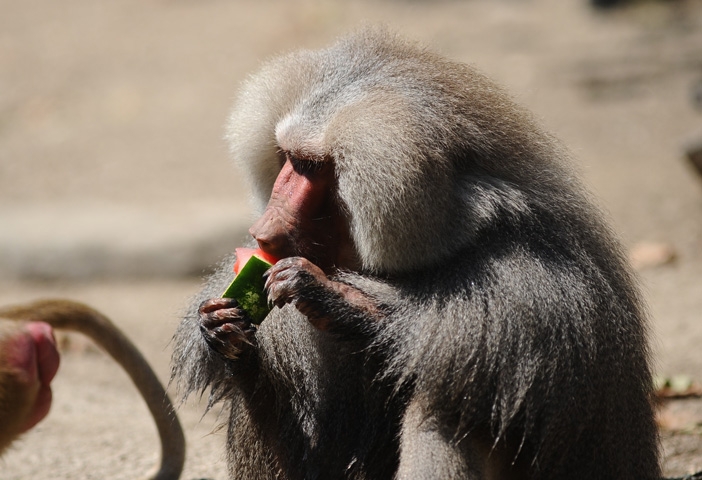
{"x": 225, "y": 327}
{"x": 298, "y": 281}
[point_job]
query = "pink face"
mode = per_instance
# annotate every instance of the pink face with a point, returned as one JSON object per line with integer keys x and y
{"x": 34, "y": 359}
{"x": 303, "y": 217}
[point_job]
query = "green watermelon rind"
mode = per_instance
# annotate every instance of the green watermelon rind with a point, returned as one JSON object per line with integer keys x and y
{"x": 247, "y": 289}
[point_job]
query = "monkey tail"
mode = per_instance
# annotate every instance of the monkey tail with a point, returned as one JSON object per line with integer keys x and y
{"x": 69, "y": 315}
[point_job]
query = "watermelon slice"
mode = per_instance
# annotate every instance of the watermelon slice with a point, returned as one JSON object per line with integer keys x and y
{"x": 248, "y": 285}
{"x": 244, "y": 254}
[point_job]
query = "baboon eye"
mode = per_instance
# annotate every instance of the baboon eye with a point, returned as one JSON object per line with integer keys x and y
{"x": 304, "y": 166}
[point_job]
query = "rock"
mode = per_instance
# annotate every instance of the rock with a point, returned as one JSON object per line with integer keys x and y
{"x": 651, "y": 254}
{"x": 693, "y": 152}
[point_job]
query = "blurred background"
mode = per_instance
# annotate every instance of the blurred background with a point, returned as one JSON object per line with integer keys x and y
{"x": 116, "y": 188}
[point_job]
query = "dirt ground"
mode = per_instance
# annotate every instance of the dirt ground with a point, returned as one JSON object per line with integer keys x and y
{"x": 120, "y": 105}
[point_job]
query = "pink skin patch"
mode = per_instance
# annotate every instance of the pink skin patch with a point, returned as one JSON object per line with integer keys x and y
{"x": 36, "y": 359}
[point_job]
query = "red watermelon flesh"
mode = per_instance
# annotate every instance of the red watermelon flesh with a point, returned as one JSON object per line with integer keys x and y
{"x": 243, "y": 255}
